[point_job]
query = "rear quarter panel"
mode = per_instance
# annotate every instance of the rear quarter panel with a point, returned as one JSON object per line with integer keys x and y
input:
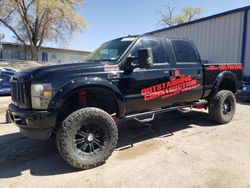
{"x": 212, "y": 72}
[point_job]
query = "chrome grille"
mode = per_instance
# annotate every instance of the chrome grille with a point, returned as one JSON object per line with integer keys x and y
{"x": 18, "y": 92}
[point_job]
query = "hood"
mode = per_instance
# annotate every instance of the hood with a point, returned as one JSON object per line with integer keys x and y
{"x": 50, "y": 72}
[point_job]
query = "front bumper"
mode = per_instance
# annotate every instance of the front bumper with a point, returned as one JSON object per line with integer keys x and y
{"x": 33, "y": 123}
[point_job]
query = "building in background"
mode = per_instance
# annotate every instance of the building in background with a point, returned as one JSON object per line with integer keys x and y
{"x": 14, "y": 51}
{"x": 222, "y": 38}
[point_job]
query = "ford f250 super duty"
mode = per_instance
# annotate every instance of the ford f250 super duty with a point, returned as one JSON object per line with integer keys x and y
{"x": 133, "y": 77}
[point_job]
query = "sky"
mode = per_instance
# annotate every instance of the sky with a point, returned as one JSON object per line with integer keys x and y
{"x": 111, "y": 19}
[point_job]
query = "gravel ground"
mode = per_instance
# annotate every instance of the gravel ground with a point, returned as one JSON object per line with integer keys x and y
{"x": 175, "y": 150}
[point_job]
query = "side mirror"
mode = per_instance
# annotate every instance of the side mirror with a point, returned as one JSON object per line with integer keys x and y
{"x": 145, "y": 58}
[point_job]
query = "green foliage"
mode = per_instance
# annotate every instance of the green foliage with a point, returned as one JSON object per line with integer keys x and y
{"x": 170, "y": 18}
{"x": 36, "y": 21}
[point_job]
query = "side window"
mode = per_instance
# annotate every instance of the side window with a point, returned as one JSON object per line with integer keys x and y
{"x": 44, "y": 56}
{"x": 184, "y": 51}
{"x": 157, "y": 46}
{"x": 53, "y": 56}
{"x": 21, "y": 55}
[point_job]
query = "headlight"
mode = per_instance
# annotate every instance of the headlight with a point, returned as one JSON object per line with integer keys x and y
{"x": 41, "y": 95}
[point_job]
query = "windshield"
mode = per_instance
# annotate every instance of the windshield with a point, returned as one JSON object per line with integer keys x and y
{"x": 111, "y": 51}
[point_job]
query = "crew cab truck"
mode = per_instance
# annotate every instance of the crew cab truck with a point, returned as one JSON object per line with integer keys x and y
{"x": 133, "y": 77}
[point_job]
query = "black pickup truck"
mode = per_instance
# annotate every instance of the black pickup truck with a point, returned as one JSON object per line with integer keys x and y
{"x": 133, "y": 77}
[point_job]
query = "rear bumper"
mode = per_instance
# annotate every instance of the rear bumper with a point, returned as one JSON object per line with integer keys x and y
{"x": 32, "y": 123}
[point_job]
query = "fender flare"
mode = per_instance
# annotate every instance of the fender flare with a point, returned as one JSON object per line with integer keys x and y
{"x": 220, "y": 79}
{"x": 85, "y": 83}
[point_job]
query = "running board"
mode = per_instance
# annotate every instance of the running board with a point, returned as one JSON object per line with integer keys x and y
{"x": 185, "y": 110}
{"x": 146, "y": 120}
{"x": 143, "y": 117}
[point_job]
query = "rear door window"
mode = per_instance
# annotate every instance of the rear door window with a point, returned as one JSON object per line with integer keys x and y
{"x": 184, "y": 51}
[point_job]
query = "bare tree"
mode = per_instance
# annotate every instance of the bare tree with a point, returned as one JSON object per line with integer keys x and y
{"x": 33, "y": 22}
{"x": 167, "y": 18}
{"x": 170, "y": 17}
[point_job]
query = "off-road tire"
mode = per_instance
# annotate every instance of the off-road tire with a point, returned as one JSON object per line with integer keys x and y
{"x": 67, "y": 131}
{"x": 217, "y": 107}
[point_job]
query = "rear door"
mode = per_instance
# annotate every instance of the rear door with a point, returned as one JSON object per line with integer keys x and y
{"x": 188, "y": 71}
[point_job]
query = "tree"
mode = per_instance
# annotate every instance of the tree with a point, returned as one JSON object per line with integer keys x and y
{"x": 34, "y": 22}
{"x": 170, "y": 18}
{"x": 167, "y": 18}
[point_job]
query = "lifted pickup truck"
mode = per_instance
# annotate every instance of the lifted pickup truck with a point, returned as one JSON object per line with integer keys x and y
{"x": 133, "y": 77}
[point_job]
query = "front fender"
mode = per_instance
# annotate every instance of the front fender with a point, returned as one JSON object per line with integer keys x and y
{"x": 84, "y": 83}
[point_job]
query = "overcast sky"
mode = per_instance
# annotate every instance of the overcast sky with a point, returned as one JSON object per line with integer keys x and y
{"x": 115, "y": 18}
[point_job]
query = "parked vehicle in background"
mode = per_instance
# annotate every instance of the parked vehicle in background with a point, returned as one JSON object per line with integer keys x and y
{"x": 126, "y": 78}
{"x": 245, "y": 94}
{"x": 5, "y": 76}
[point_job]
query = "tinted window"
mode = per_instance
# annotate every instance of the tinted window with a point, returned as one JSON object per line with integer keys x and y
{"x": 158, "y": 49}
{"x": 184, "y": 51}
{"x": 44, "y": 56}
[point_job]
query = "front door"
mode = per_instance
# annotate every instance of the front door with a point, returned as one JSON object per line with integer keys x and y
{"x": 143, "y": 88}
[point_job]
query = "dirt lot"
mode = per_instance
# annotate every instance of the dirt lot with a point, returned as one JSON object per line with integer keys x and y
{"x": 176, "y": 150}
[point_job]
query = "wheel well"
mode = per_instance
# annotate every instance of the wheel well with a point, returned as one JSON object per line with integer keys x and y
{"x": 96, "y": 97}
{"x": 228, "y": 84}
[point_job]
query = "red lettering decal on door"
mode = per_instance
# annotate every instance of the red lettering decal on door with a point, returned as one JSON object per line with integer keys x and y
{"x": 178, "y": 84}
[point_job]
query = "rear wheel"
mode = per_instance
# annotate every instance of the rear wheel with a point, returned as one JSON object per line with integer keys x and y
{"x": 87, "y": 138}
{"x": 222, "y": 106}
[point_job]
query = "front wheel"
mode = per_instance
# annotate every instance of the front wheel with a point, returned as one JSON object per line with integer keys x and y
{"x": 222, "y": 106}
{"x": 87, "y": 137}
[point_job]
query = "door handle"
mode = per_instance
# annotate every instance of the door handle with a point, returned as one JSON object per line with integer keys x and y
{"x": 168, "y": 74}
